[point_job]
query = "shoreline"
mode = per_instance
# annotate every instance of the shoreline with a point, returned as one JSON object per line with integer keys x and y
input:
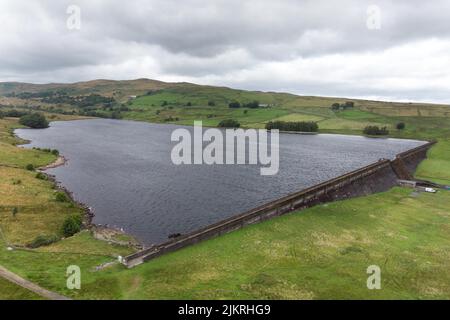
{"x": 326, "y": 132}
{"x": 88, "y": 215}
{"x": 59, "y": 162}
{"x": 87, "y": 212}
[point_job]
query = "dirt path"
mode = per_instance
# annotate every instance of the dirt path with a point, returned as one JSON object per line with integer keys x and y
{"x": 8, "y": 275}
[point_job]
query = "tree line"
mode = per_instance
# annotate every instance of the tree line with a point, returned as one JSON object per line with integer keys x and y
{"x": 236, "y": 104}
{"x": 300, "y": 126}
{"x": 342, "y": 106}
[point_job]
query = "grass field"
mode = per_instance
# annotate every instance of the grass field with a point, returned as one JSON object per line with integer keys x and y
{"x": 187, "y": 103}
{"x": 319, "y": 253}
{"x": 12, "y": 291}
{"x": 437, "y": 166}
{"x": 38, "y": 214}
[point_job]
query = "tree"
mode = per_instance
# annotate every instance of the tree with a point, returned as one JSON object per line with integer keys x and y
{"x": 335, "y": 106}
{"x": 349, "y": 105}
{"x": 253, "y": 105}
{"x": 376, "y": 131}
{"x": 211, "y": 103}
{"x": 15, "y": 211}
{"x": 234, "y": 105}
{"x": 71, "y": 226}
{"x": 34, "y": 120}
{"x": 301, "y": 126}
{"x": 229, "y": 123}
{"x": 400, "y": 126}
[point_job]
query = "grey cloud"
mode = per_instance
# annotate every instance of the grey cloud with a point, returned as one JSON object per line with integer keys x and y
{"x": 227, "y": 42}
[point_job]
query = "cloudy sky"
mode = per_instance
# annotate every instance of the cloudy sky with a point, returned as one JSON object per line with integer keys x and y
{"x": 392, "y": 50}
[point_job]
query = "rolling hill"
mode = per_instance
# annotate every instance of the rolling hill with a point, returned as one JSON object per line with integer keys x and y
{"x": 182, "y": 103}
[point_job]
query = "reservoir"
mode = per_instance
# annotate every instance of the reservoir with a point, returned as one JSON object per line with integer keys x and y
{"x": 123, "y": 170}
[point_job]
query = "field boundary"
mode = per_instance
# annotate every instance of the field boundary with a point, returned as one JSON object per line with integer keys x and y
{"x": 377, "y": 177}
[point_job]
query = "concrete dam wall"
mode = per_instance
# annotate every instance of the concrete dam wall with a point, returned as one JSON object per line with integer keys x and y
{"x": 377, "y": 177}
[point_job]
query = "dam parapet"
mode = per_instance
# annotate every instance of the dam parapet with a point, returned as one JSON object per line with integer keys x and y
{"x": 377, "y": 177}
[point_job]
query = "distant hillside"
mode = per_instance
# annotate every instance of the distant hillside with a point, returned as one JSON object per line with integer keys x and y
{"x": 101, "y": 86}
{"x": 157, "y": 101}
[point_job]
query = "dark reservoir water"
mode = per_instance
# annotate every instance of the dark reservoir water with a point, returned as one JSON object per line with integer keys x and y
{"x": 123, "y": 170}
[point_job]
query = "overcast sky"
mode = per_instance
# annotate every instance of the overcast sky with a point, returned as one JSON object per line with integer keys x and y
{"x": 397, "y": 50}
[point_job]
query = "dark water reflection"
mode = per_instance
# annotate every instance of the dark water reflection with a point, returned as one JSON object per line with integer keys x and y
{"x": 123, "y": 170}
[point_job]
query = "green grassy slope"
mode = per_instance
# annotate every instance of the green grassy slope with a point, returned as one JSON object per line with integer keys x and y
{"x": 186, "y": 103}
{"x": 437, "y": 166}
{"x": 320, "y": 253}
{"x": 12, "y": 291}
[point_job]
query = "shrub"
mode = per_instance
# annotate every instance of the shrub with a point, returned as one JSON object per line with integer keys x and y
{"x": 55, "y": 152}
{"x": 41, "y": 176}
{"x": 71, "y": 226}
{"x": 335, "y": 106}
{"x": 170, "y": 118}
{"x": 34, "y": 120}
{"x": 62, "y": 197}
{"x": 376, "y": 131}
{"x": 15, "y": 113}
{"x": 30, "y": 167}
{"x": 230, "y": 123}
{"x": 400, "y": 126}
{"x": 211, "y": 103}
{"x": 348, "y": 104}
{"x": 116, "y": 115}
{"x": 15, "y": 211}
{"x": 43, "y": 240}
{"x": 301, "y": 126}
